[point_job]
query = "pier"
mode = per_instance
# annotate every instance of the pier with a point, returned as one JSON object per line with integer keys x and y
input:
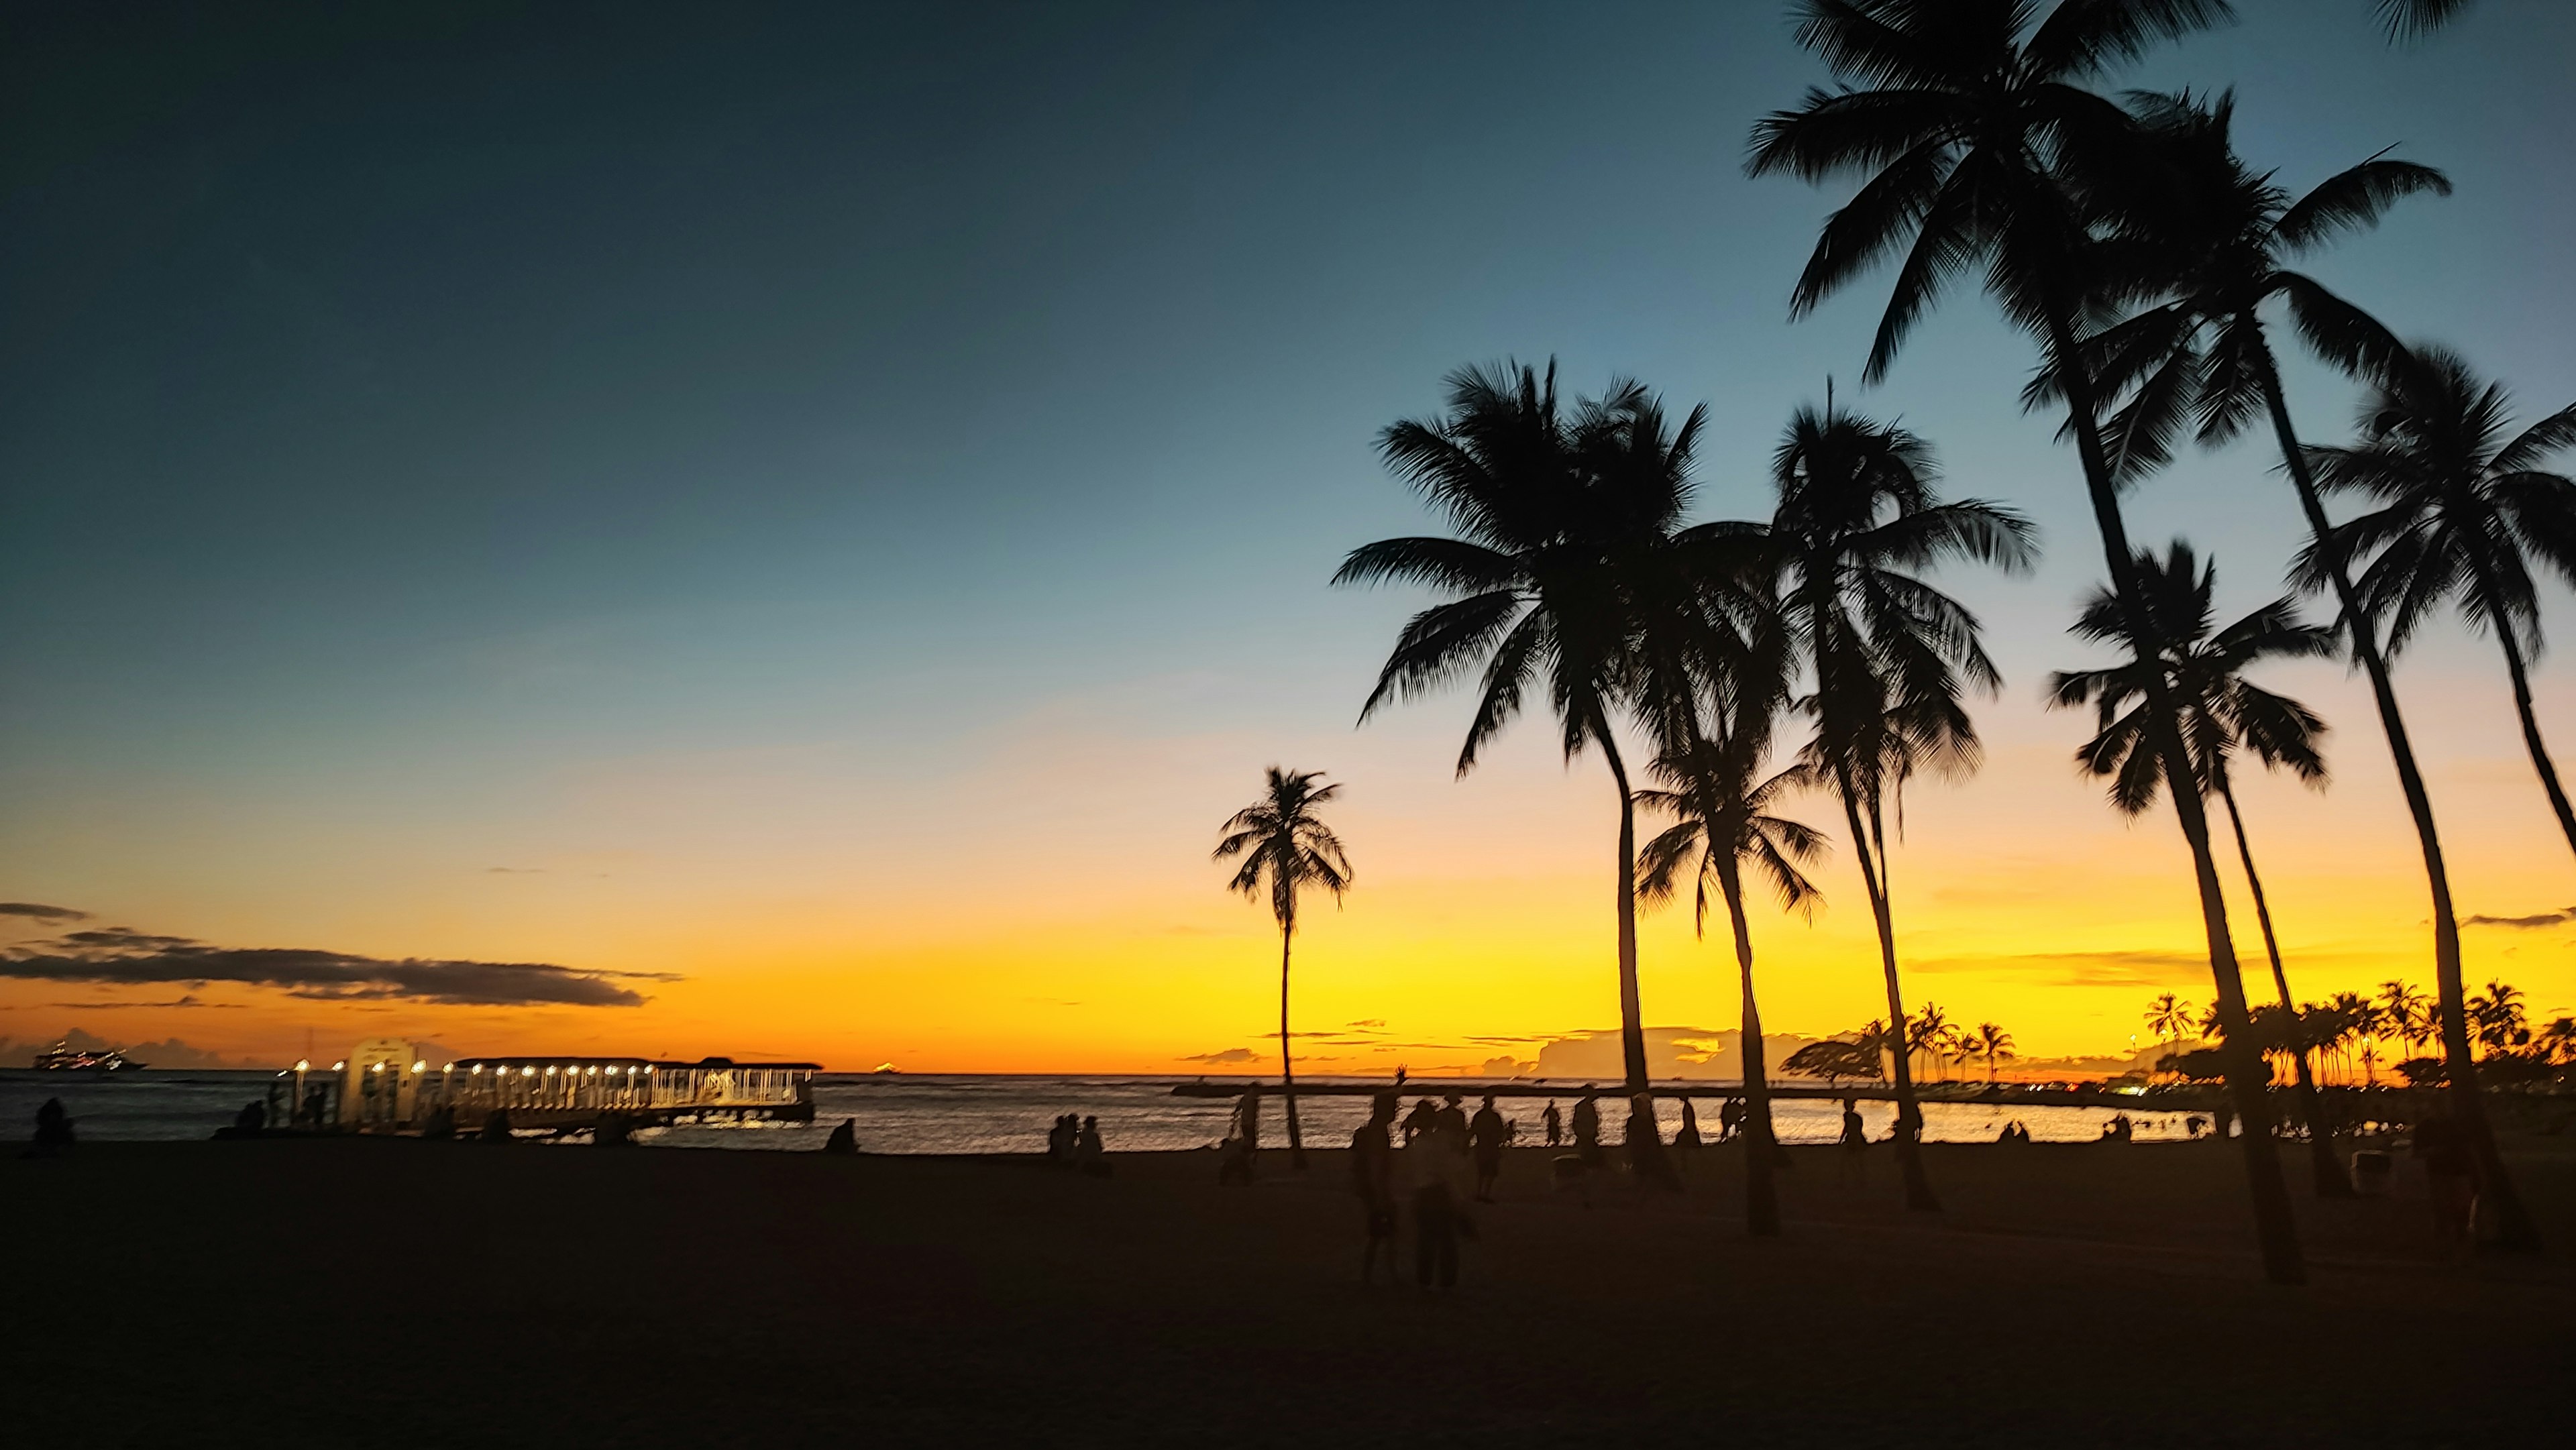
{"x": 377, "y": 1091}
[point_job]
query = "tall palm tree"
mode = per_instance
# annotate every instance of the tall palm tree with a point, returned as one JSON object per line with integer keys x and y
{"x": 2403, "y": 1008}
{"x": 1570, "y": 576}
{"x": 2498, "y": 1018}
{"x": 1980, "y": 144}
{"x": 2223, "y": 236}
{"x": 1888, "y": 656}
{"x": 2464, "y": 513}
{"x": 2223, "y": 713}
{"x": 1929, "y": 1027}
{"x": 1286, "y": 846}
{"x": 1993, "y": 1044}
{"x": 2168, "y": 1017}
{"x": 1721, "y": 807}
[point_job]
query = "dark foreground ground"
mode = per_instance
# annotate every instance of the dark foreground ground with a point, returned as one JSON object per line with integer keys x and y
{"x": 454, "y": 1295}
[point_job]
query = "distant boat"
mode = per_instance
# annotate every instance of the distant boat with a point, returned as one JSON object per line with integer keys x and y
{"x": 63, "y": 1057}
{"x": 888, "y": 1069}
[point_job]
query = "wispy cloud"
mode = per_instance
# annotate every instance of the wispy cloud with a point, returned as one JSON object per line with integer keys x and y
{"x": 1224, "y": 1056}
{"x": 514, "y": 870}
{"x": 2126, "y": 968}
{"x": 37, "y": 911}
{"x": 121, "y": 956}
{"x": 2523, "y": 923}
{"x": 189, "y": 1000}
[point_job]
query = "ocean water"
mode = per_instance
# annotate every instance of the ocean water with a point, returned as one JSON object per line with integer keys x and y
{"x": 1010, "y": 1114}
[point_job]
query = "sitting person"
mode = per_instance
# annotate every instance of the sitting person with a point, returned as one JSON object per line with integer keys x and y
{"x": 53, "y": 1131}
{"x": 844, "y": 1139}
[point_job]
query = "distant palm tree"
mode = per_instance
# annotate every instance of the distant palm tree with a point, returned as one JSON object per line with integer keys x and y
{"x": 2168, "y": 1017}
{"x": 1286, "y": 846}
{"x": 2498, "y": 1018}
{"x": 1888, "y": 656}
{"x": 1978, "y": 144}
{"x": 1570, "y": 577}
{"x": 2403, "y": 1007}
{"x": 1721, "y": 807}
{"x": 2465, "y": 513}
{"x": 2203, "y": 666}
{"x": 2557, "y": 1040}
{"x": 2357, "y": 1017}
{"x": 1925, "y": 1031}
{"x": 1993, "y": 1044}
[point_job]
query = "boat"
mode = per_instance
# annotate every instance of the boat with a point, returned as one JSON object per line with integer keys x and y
{"x": 63, "y": 1057}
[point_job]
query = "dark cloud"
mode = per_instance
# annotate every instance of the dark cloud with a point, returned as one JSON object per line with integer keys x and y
{"x": 118, "y": 956}
{"x": 2523, "y": 923}
{"x": 188, "y": 1000}
{"x": 1229, "y": 1055}
{"x": 38, "y": 912}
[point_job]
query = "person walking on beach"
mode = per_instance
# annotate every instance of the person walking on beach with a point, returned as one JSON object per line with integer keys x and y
{"x": 1486, "y": 1134}
{"x": 1419, "y": 1121}
{"x": 1555, "y": 1124}
{"x": 1730, "y": 1119}
{"x": 1373, "y": 1181}
{"x": 1431, "y": 1165}
{"x": 1453, "y": 1121}
{"x": 1854, "y": 1138}
{"x": 1688, "y": 1137}
{"x": 1587, "y": 1131}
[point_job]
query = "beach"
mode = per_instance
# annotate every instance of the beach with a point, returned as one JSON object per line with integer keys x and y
{"x": 456, "y": 1293}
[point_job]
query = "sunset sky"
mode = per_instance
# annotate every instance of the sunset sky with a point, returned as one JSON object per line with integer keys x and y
{"x": 787, "y": 531}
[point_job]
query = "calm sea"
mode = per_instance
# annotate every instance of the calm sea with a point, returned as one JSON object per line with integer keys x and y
{"x": 980, "y": 1114}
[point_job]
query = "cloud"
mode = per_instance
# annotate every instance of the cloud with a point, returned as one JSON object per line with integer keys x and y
{"x": 120, "y": 956}
{"x": 514, "y": 870}
{"x": 1367, "y": 1022}
{"x": 1229, "y": 1055}
{"x": 2523, "y": 923}
{"x": 2083, "y": 969}
{"x": 39, "y": 912}
{"x": 188, "y": 1000}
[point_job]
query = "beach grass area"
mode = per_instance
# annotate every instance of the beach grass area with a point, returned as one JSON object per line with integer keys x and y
{"x": 450, "y": 1294}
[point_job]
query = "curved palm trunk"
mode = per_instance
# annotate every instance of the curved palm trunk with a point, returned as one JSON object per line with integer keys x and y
{"x": 1909, "y": 1114}
{"x": 2514, "y": 1227}
{"x": 1287, "y": 1065}
{"x": 2322, "y": 1167}
{"x": 2248, "y": 1081}
{"x": 2530, "y": 723}
{"x": 1761, "y": 1195}
{"x": 1646, "y": 1155}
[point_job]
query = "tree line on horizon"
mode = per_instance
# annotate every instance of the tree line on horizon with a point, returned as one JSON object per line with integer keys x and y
{"x": 1756, "y": 661}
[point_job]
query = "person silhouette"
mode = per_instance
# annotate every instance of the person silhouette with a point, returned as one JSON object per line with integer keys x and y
{"x": 1373, "y": 1181}
{"x": 1587, "y": 1130}
{"x": 251, "y": 1119}
{"x": 1425, "y": 1114}
{"x": 1431, "y": 1164}
{"x": 1854, "y": 1138}
{"x": 53, "y": 1131}
{"x": 1060, "y": 1140}
{"x": 1088, "y": 1153}
{"x": 1688, "y": 1137}
{"x": 1486, "y": 1135}
{"x": 1730, "y": 1119}
{"x": 1453, "y": 1121}
{"x": 844, "y": 1139}
{"x": 1554, "y": 1123}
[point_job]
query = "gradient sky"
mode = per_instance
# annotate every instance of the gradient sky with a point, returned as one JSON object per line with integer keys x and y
{"x": 825, "y": 510}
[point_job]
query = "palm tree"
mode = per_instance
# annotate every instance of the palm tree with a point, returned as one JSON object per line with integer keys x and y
{"x": 1721, "y": 807}
{"x": 2168, "y": 1017}
{"x": 2223, "y": 712}
{"x": 1888, "y": 656}
{"x": 2411, "y": 19}
{"x": 1569, "y": 576}
{"x": 2404, "y": 1009}
{"x": 2223, "y": 237}
{"x": 2498, "y": 1018}
{"x": 1993, "y": 1044}
{"x": 1284, "y": 843}
{"x": 1980, "y": 144}
{"x": 1925, "y": 1033}
{"x": 2557, "y": 1040}
{"x": 2464, "y": 513}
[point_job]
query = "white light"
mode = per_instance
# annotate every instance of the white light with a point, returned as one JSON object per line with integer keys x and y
{"x": 550, "y": 1069}
{"x": 527, "y": 1072}
{"x": 303, "y": 1064}
{"x": 335, "y": 1067}
{"x": 379, "y": 1067}
{"x": 420, "y": 1067}
{"x": 478, "y": 1069}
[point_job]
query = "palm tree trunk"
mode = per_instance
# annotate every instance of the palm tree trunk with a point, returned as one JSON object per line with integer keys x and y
{"x": 1761, "y": 1194}
{"x": 2327, "y": 1173}
{"x": 2275, "y": 1228}
{"x": 1287, "y": 1066}
{"x": 2514, "y": 1227}
{"x": 1909, "y": 1114}
{"x": 2531, "y": 723}
{"x": 1646, "y": 1156}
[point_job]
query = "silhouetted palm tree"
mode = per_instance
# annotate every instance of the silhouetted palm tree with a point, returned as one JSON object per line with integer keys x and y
{"x": 2408, "y": 1015}
{"x": 2409, "y": 19}
{"x": 2223, "y": 237}
{"x": 1285, "y": 845}
{"x": 1570, "y": 576}
{"x": 2464, "y": 513}
{"x": 1979, "y": 144}
{"x": 2223, "y": 713}
{"x": 1993, "y": 1044}
{"x": 2498, "y": 1018}
{"x": 1721, "y": 807}
{"x": 2168, "y": 1017}
{"x": 1888, "y": 655}
{"x": 1925, "y": 1031}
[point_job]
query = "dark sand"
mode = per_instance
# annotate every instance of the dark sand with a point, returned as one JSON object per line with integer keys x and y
{"x": 449, "y": 1295}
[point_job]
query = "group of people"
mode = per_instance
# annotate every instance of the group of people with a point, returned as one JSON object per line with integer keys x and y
{"x": 1074, "y": 1142}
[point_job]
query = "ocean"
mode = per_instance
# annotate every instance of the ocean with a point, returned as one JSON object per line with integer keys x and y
{"x": 1009, "y": 1114}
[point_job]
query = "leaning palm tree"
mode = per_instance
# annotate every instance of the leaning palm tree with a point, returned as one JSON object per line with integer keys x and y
{"x": 1721, "y": 807}
{"x": 2224, "y": 237}
{"x": 1286, "y": 846}
{"x": 1888, "y": 656}
{"x": 2223, "y": 713}
{"x": 2464, "y": 513}
{"x": 1979, "y": 144}
{"x": 1993, "y": 1044}
{"x": 2168, "y": 1017}
{"x": 1570, "y": 576}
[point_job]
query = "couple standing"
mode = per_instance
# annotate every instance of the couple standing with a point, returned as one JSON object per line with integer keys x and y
{"x": 1430, "y": 1169}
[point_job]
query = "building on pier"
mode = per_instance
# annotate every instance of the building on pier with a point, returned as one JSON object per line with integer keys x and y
{"x": 393, "y": 1085}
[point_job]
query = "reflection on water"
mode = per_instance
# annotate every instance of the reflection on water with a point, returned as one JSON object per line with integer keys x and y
{"x": 919, "y": 1114}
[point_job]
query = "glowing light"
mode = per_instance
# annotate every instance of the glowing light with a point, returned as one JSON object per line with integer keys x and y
{"x": 379, "y": 1067}
{"x": 527, "y": 1072}
{"x": 335, "y": 1067}
{"x": 550, "y": 1069}
{"x": 477, "y": 1069}
{"x": 303, "y": 1064}
{"x": 420, "y": 1067}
